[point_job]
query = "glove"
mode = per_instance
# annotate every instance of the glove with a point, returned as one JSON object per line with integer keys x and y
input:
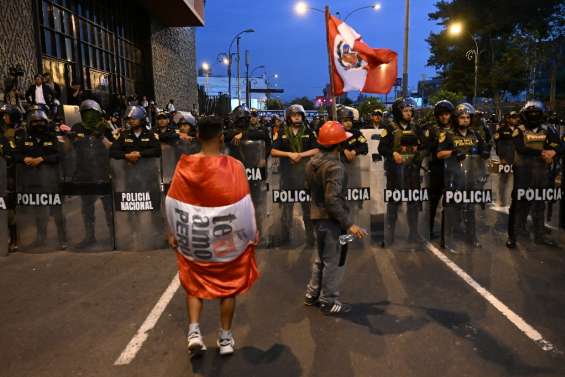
{"x": 459, "y": 155}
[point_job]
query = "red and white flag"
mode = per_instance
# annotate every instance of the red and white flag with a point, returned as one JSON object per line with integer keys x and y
{"x": 209, "y": 210}
{"x": 355, "y": 65}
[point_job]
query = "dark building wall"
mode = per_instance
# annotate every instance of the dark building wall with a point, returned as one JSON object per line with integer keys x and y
{"x": 17, "y": 41}
{"x": 174, "y": 65}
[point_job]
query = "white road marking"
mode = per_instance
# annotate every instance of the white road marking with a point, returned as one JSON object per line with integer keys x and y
{"x": 516, "y": 320}
{"x": 135, "y": 344}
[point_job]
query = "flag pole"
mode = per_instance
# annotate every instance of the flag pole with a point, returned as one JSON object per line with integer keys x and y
{"x": 333, "y": 115}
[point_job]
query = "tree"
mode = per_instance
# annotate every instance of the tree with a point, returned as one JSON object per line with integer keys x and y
{"x": 510, "y": 35}
{"x": 305, "y": 102}
{"x": 274, "y": 104}
{"x": 454, "y": 98}
{"x": 367, "y": 105}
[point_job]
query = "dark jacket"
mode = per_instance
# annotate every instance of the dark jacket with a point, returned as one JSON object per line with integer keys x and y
{"x": 146, "y": 144}
{"x": 327, "y": 180}
{"x": 47, "y": 94}
{"x": 357, "y": 143}
{"x": 43, "y": 145}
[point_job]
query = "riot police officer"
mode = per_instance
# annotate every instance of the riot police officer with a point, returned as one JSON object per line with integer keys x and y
{"x": 443, "y": 111}
{"x": 376, "y": 118}
{"x": 403, "y": 147}
{"x": 37, "y": 148}
{"x": 536, "y": 150}
{"x": 504, "y": 144}
{"x": 357, "y": 144}
{"x": 91, "y": 140}
{"x": 164, "y": 132}
{"x": 137, "y": 142}
{"x": 455, "y": 145}
{"x": 294, "y": 145}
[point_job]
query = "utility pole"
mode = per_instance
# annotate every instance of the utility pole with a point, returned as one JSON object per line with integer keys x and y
{"x": 238, "y": 74}
{"x": 405, "y": 63}
{"x": 333, "y": 114}
{"x": 247, "y": 86}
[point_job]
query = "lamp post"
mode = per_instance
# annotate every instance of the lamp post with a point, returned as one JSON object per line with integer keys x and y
{"x": 206, "y": 70}
{"x": 247, "y": 82}
{"x": 456, "y": 28}
{"x": 237, "y": 37}
{"x": 376, "y": 7}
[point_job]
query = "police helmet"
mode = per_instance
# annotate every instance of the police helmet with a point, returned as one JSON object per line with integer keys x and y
{"x": 240, "y": 112}
{"x": 135, "y": 112}
{"x": 464, "y": 108}
{"x": 37, "y": 114}
{"x": 443, "y": 106}
{"x": 400, "y": 104}
{"x": 162, "y": 114}
{"x": 533, "y": 111}
{"x": 295, "y": 109}
{"x": 90, "y": 104}
{"x": 13, "y": 112}
{"x": 345, "y": 113}
{"x": 377, "y": 112}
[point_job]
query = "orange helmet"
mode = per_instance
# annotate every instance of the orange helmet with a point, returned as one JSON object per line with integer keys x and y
{"x": 332, "y": 133}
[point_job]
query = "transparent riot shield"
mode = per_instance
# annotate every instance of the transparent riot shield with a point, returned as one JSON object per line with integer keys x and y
{"x": 138, "y": 219}
{"x": 502, "y": 181}
{"x": 534, "y": 211}
{"x": 288, "y": 222}
{"x": 170, "y": 155}
{"x": 3, "y": 209}
{"x": 377, "y": 184}
{"x": 405, "y": 194}
{"x": 359, "y": 191}
{"x": 466, "y": 199}
{"x": 86, "y": 186}
{"x": 40, "y": 216}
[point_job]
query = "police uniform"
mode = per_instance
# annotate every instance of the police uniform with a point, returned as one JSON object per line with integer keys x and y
{"x": 408, "y": 141}
{"x": 292, "y": 176}
{"x": 504, "y": 144}
{"x": 43, "y": 144}
{"x": 531, "y": 171}
{"x": 91, "y": 176}
{"x": 357, "y": 143}
{"x": 146, "y": 144}
{"x": 467, "y": 145}
{"x": 436, "y": 182}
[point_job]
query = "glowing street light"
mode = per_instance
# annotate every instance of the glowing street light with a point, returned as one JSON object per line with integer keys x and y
{"x": 302, "y": 7}
{"x": 376, "y": 7}
{"x": 276, "y": 75}
{"x": 205, "y": 67}
{"x": 206, "y": 70}
{"x": 225, "y": 61}
{"x": 455, "y": 29}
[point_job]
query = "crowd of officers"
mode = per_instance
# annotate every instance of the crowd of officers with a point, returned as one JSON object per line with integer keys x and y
{"x": 521, "y": 139}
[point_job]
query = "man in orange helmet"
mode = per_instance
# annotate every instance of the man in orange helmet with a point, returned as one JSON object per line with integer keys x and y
{"x": 327, "y": 180}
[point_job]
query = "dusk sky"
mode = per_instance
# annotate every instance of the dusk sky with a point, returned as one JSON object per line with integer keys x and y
{"x": 294, "y": 47}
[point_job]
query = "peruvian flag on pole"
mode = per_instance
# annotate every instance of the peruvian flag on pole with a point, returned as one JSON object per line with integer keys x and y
{"x": 355, "y": 65}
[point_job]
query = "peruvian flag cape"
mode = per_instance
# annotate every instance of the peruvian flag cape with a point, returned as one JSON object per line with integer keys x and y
{"x": 356, "y": 66}
{"x": 209, "y": 210}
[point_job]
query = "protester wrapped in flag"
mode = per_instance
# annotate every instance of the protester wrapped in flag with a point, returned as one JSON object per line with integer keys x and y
{"x": 209, "y": 210}
{"x": 355, "y": 65}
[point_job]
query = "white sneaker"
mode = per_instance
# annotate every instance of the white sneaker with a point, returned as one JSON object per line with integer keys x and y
{"x": 226, "y": 345}
{"x": 195, "y": 343}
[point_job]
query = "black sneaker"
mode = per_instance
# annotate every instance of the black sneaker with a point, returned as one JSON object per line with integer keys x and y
{"x": 310, "y": 300}
{"x": 511, "y": 244}
{"x": 335, "y": 308}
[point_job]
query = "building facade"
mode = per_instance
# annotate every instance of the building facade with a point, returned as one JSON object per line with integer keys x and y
{"x": 110, "y": 49}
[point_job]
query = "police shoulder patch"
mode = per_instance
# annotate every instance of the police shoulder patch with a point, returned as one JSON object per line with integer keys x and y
{"x": 427, "y": 133}
{"x": 515, "y": 132}
{"x": 441, "y": 137}
{"x": 384, "y": 132}
{"x": 362, "y": 139}
{"x": 496, "y": 136}
{"x": 13, "y": 145}
{"x": 156, "y": 137}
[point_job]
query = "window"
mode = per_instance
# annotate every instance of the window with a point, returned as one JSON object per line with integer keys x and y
{"x": 103, "y": 39}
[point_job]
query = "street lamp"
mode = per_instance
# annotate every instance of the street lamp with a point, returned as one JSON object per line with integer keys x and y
{"x": 302, "y": 7}
{"x": 376, "y": 7}
{"x": 455, "y": 29}
{"x": 206, "y": 70}
{"x": 229, "y": 62}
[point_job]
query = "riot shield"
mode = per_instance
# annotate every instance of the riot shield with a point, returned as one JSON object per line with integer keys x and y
{"x": 38, "y": 200}
{"x": 360, "y": 187}
{"x": 3, "y": 209}
{"x": 377, "y": 184}
{"x": 138, "y": 219}
{"x": 170, "y": 155}
{"x": 502, "y": 180}
{"x": 405, "y": 195}
{"x": 85, "y": 164}
{"x": 534, "y": 210}
{"x": 467, "y": 196}
{"x": 288, "y": 223}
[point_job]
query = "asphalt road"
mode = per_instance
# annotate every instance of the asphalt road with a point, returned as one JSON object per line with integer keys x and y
{"x": 72, "y": 314}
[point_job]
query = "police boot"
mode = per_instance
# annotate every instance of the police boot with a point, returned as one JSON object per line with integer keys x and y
{"x": 62, "y": 237}
{"x": 13, "y": 246}
{"x": 542, "y": 239}
{"x": 389, "y": 235}
{"x": 88, "y": 241}
{"x": 511, "y": 243}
